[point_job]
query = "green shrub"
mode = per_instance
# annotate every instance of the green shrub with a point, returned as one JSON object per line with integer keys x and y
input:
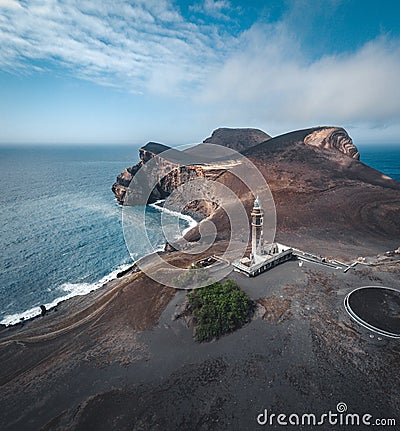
{"x": 219, "y": 309}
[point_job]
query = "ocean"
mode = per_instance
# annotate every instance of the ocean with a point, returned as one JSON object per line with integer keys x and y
{"x": 384, "y": 158}
{"x": 61, "y": 230}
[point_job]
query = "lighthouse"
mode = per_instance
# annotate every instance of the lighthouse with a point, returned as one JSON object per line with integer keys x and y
{"x": 261, "y": 260}
{"x": 257, "y": 241}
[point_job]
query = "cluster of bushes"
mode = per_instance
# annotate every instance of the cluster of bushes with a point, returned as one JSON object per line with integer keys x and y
{"x": 219, "y": 309}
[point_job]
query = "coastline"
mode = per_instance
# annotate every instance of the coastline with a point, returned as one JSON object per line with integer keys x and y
{"x": 81, "y": 289}
{"x": 190, "y": 220}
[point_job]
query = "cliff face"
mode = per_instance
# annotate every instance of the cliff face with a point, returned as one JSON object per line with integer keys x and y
{"x": 237, "y": 139}
{"x": 120, "y": 187}
{"x": 139, "y": 192}
{"x": 325, "y": 198}
{"x": 333, "y": 138}
{"x": 241, "y": 140}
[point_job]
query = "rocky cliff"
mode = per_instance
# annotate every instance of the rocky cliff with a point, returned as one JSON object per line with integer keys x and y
{"x": 241, "y": 140}
{"x": 146, "y": 153}
{"x": 326, "y": 199}
{"x": 332, "y": 138}
{"x": 237, "y": 139}
{"x": 141, "y": 191}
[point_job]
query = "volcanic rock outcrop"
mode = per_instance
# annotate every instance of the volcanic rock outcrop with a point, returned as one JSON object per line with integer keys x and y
{"x": 146, "y": 153}
{"x": 237, "y": 139}
{"x": 326, "y": 200}
{"x": 157, "y": 180}
{"x": 333, "y": 137}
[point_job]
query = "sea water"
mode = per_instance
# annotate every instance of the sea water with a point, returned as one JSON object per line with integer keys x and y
{"x": 384, "y": 158}
{"x": 61, "y": 231}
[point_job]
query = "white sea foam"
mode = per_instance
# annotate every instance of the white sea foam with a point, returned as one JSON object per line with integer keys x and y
{"x": 79, "y": 289}
{"x": 191, "y": 221}
{"x": 70, "y": 290}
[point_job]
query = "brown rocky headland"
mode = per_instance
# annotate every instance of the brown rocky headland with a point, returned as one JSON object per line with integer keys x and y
{"x": 327, "y": 200}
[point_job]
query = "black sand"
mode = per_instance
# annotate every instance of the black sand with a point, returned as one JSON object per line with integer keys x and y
{"x": 115, "y": 373}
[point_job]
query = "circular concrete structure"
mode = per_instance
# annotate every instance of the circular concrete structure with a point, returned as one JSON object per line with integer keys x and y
{"x": 377, "y": 308}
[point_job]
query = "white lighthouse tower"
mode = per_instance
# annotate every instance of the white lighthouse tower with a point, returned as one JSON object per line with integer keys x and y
{"x": 257, "y": 240}
{"x": 261, "y": 260}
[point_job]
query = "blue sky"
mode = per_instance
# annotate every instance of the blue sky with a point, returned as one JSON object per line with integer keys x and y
{"x": 116, "y": 71}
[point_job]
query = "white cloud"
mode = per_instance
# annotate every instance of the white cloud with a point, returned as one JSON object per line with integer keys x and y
{"x": 215, "y": 8}
{"x": 262, "y": 77}
{"x": 137, "y": 45}
{"x": 10, "y": 4}
{"x": 269, "y": 80}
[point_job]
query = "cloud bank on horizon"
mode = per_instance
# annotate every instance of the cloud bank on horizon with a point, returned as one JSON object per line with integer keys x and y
{"x": 233, "y": 63}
